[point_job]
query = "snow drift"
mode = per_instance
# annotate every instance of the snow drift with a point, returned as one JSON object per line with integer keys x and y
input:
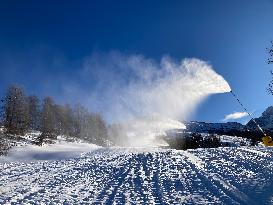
{"x": 58, "y": 151}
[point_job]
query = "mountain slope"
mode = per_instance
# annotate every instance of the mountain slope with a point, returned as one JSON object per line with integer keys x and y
{"x": 241, "y": 175}
{"x": 205, "y": 127}
{"x": 265, "y": 121}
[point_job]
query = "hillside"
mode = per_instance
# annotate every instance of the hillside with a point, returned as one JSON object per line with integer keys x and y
{"x": 77, "y": 172}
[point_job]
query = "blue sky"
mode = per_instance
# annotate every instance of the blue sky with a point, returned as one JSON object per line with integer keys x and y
{"x": 43, "y": 43}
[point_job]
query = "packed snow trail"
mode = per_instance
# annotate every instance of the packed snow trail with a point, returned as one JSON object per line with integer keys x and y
{"x": 143, "y": 176}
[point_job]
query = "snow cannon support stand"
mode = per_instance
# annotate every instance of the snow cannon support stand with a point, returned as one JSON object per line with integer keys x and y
{"x": 267, "y": 140}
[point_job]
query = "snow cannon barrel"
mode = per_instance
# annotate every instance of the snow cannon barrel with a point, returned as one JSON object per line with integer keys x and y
{"x": 267, "y": 140}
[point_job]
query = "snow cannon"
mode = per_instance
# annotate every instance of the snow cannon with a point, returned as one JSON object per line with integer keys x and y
{"x": 267, "y": 140}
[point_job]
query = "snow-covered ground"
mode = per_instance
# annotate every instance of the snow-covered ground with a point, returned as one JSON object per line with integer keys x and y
{"x": 233, "y": 141}
{"x": 58, "y": 151}
{"x": 23, "y": 148}
{"x": 232, "y": 175}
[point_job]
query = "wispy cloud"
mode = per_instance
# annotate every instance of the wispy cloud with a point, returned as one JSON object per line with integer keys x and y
{"x": 235, "y": 116}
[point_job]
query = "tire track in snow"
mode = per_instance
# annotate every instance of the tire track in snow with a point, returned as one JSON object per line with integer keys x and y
{"x": 172, "y": 183}
{"x": 263, "y": 191}
{"x": 139, "y": 176}
{"x": 57, "y": 170}
{"x": 212, "y": 178}
{"x": 107, "y": 194}
{"x": 30, "y": 180}
{"x": 251, "y": 172}
{"x": 181, "y": 183}
{"x": 263, "y": 153}
{"x": 152, "y": 188}
{"x": 99, "y": 169}
{"x": 155, "y": 180}
{"x": 150, "y": 177}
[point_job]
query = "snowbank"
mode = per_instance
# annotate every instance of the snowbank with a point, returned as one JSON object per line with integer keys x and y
{"x": 57, "y": 151}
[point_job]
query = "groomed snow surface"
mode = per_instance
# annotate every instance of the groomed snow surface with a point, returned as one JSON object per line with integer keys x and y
{"x": 234, "y": 175}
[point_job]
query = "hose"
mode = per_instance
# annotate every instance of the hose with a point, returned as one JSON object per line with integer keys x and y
{"x": 247, "y": 112}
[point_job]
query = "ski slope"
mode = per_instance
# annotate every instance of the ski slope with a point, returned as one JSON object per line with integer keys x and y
{"x": 238, "y": 175}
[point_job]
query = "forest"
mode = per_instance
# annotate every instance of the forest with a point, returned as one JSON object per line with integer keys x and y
{"x": 21, "y": 113}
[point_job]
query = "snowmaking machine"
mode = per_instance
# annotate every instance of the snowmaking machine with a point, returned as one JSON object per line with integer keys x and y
{"x": 267, "y": 140}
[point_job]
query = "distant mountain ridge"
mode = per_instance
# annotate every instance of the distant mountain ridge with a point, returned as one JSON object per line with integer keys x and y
{"x": 235, "y": 128}
{"x": 265, "y": 121}
{"x": 204, "y": 127}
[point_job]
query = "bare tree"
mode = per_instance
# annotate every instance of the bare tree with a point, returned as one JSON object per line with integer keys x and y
{"x": 15, "y": 116}
{"x": 89, "y": 126}
{"x": 64, "y": 119}
{"x": 80, "y": 115}
{"x": 270, "y": 52}
{"x": 270, "y": 60}
{"x": 48, "y": 124}
{"x": 98, "y": 129}
{"x": 34, "y": 110}
{"x": 21, "y": 113}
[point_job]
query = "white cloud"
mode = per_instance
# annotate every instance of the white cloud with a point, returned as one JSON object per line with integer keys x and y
{"x": 235, "y": 116}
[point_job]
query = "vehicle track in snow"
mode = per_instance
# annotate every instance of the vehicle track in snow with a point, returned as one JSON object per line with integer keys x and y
{"x": 241, "y": 175}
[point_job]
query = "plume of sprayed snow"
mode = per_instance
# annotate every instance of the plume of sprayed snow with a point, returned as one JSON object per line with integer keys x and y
{"x": 133, "y": 86}
{"x": 130, "y": 87}
{"x": 147, "y": 131}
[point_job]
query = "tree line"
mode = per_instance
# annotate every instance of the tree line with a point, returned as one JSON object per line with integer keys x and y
{"x": 21, "y": 113}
